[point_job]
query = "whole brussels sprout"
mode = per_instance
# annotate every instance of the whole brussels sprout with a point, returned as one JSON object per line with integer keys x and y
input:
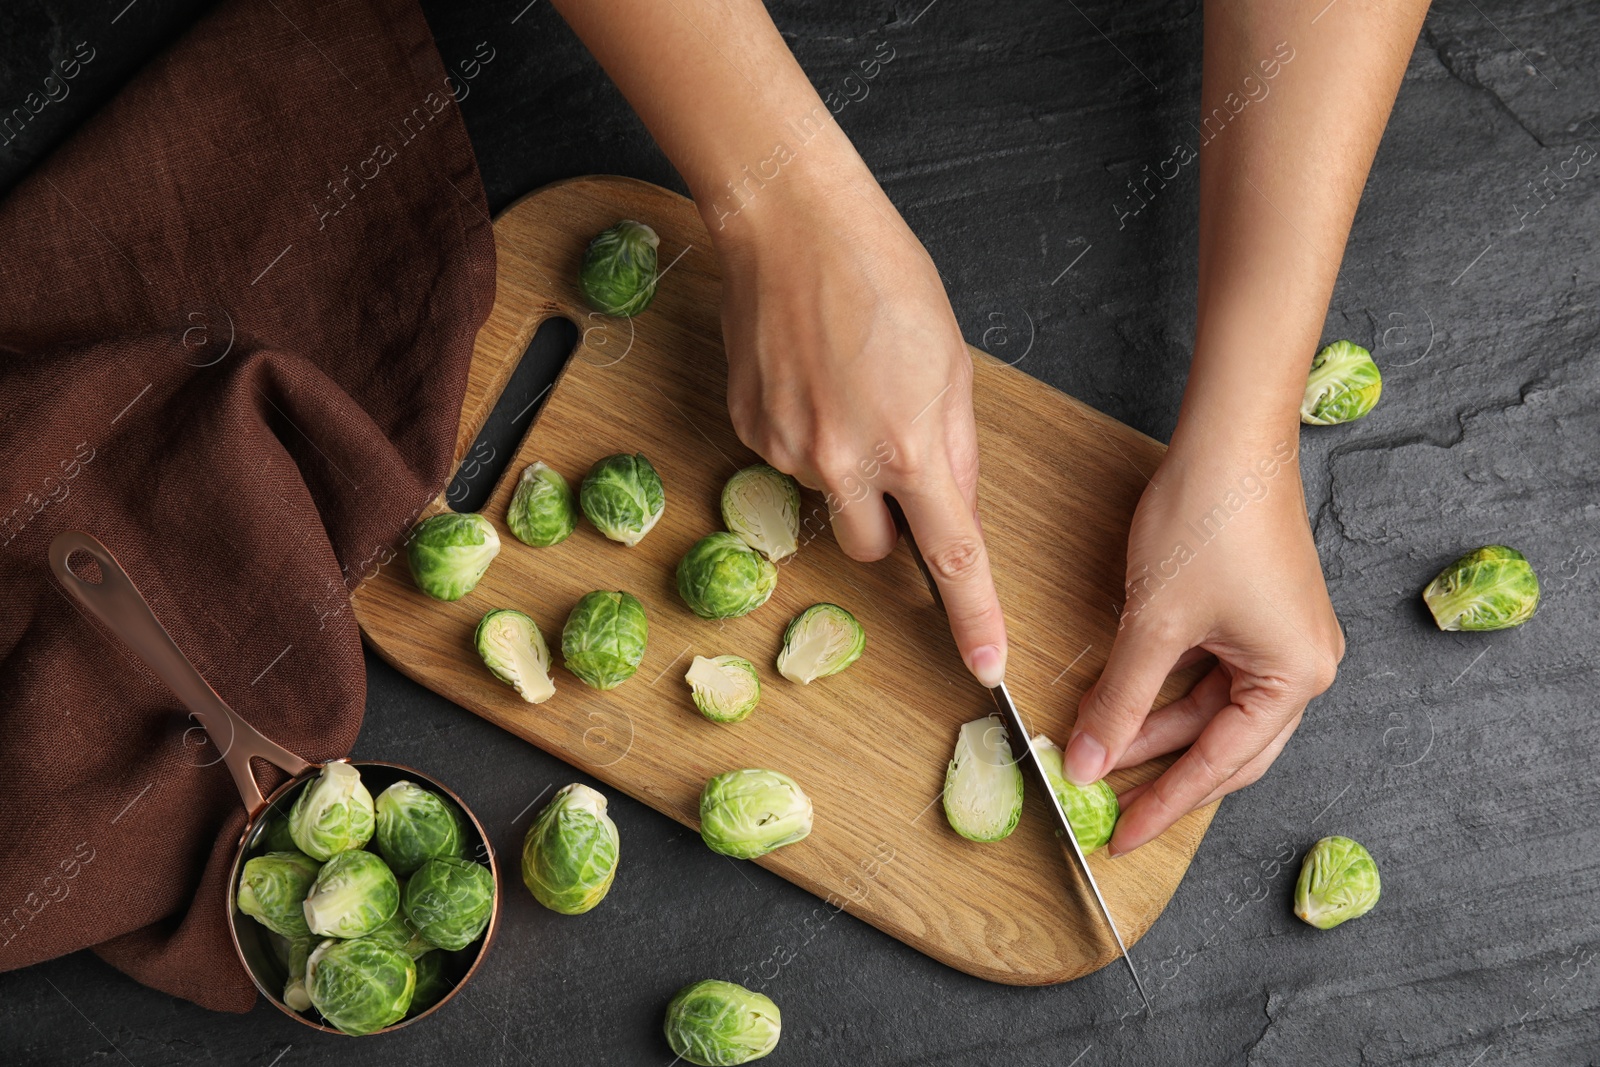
{"x": 354, "y": 894}
{"x": 824, "y": 639}
{"x": 415, "y": 825}
{"x": 332, "y": 813}
{"x": 543, "y": 511}
{"x": 449, "y": 553}
{"x": 1343, "y": 386}
{"x": 724, "y": 688}
{"x": 273, "y": 887}
{"x": 1092, "y": 810}
{"x": 761, "y": 505}
{"x": 618, "y": 275}
{"x": 569, "y": 858}
{"x": 275, "y": 836}
{"x": 721, "y": 577}
{"x": 1338, "y": 881}
{"x": 1489, "y": 588}
{"x": 360, "y": 986}
{"x": 449, "y": 902}
{"x": 294, "y": 989}
{"x": 717, "y": 1024}
{"x": 432, "y": 984}
{"x": 748, "y": 813}
{"x": 399, "y": 933}
{"x": 604, "y": 639}
{"x": 623, "y": 496}
{"x": 515, "y": 652}
{"x": 983, "y": 784}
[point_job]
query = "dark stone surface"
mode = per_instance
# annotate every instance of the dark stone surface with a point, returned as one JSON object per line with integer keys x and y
{"x": 1006, "y": 133}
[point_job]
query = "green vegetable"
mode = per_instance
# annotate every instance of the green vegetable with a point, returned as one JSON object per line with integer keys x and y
{"x": 721, "y": 577}
{"x": 432, "y": 984}
{"x": 449, "y": 553}
{"x": 543, "y": 511}
{"x": 748, "y": 813}
{"x": 273, "y": 886}
{"x": 354, "y": 894}
{"x": 824, "y": 639}
{"x": 515, "y": 652}
{"x": 724, "y": 688}
{"x": 762, "y": 505}
{"x": 332, "y": 813}
{"x": 1343, "y": 386}
{"x": 623, "y": 496}
{"x": 449, "y": 902}
{"x": 569, "y": 858}
{"x": 276, "y": 837}
{"x": 1338, "y": 881}
{"x": 1490, "y": 588}
{"x": 294, "y": 990}
{"x": 604, "y": 639}
{"x": 360, "y": 986}
{"x": 399, "y": 933}
{"x": 1092, "y": 810}
{"x": 618, "y": 275}
{"x": 717, "y": 1024}
{"x": 983, "y": 785}
{"x": 416, "y": 825}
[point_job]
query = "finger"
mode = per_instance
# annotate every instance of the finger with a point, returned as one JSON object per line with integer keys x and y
{"x": 1180, "y": 722}
{"x": 1190, "y": 658}
{"x": 1249, "y": 774}
{"x": 1111, "y": 712}
{"x": 864, "y": 527}
{"x": 952, "y": 546}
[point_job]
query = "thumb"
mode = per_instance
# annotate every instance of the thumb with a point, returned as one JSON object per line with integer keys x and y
{"x": 1111, "y": 712}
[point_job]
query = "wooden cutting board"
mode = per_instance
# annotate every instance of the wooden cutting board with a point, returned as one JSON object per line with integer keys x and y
{"x": 869, "y": 746}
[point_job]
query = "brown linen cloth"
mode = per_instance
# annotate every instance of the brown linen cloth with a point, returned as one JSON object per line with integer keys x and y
{"x": 236, "y": 314}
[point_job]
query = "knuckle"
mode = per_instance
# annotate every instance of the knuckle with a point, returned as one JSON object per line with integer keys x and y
{"x": 957, "y": 560}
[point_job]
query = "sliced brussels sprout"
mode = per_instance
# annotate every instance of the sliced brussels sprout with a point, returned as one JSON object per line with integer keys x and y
{"x": 360, "y": 986}
{"x": 1343, "y": 386}
{"x": 1338, "y": 882}
{"x": 515, "y": 652}
{"x": 824, "y": 639}
{"x": 618, "y": 275}
{"x": 721, "y": 577}
{"x": 1092, "y": 810}
{"x": 983, "y": 785}
{"x": 762, "y": 505}
{"x": 276, "y": 837}
{"x": 543, "y": 510}
{"x": 432, "y": 984}
{"x": 717, "y": 1024}
{"x": 724, "y": 688}
{"x": 604, "y": 639}
{"x": 1490, "y": 588}
{"x": 294, "y": 988}
{"x": 399, "y": 933}
{"x": 623, "y": 496}
{"x": 354, "y": 894}
{"x": 569, "y": 858}
{"x": 416, "y": 825}
{"x": 449, "y": 553}
{"x": 748, "y": 813}
{"x": 273, "y": 886}
{"x": 448, "y": 902}
{"x": 332, "y": 813}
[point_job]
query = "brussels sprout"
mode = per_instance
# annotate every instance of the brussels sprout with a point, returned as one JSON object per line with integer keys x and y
{"x": 748, "y": 813}
{"x": 360, "y": 986}
{"x": 543, "y": 511}
{"x": 618, "y": 275}
{"x": 1092, "y": 810}
{"x": 272, "y": 888}
{"x": 1343, "y": 386}
{"x": 724, "y": 688}
{"x": 983, "y": 786}
{"x": 623, "y": 496}
{"x": 604, "y": 638}
{"x": 569, "y": 858}
{"x": 449, "y": 553}
{"x": 332, "y": 813}
{"x": 1338, "y": 881}
{"x": 399, "y": 933}
{"x": 824, "y": 639}
{"x": 762, "y": 505}
{"x": 276, "y": 837}
{"x": 721, "y": 577}
{"x": 1490, "y": 588}
{"x": 515, "y": 651}
{"x": 432, "y": 984}
{"x": 294, "y": 989}
{"x": 449, "y": 901}
{"x": 415, "y": 825}
{"x": 354, "y": 894}
{"x": 717, "y": 1024}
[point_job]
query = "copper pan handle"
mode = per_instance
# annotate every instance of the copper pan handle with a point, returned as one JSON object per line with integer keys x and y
{"x": 117, "y": 602}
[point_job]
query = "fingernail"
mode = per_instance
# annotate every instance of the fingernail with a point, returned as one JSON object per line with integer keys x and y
{"x": 1085, "y": 759}
{"x": 989, "y": 665}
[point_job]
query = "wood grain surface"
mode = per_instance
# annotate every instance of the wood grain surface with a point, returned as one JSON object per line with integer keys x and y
{"x": 870, "y": 746}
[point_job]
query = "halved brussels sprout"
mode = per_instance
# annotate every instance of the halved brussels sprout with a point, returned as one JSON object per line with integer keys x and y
{"x": 354, "y": 894}
{"x": 762, "y": 505}
{"x": 623, "y": 496}
{"x": 721, "y": 577}
{"x": 399, "y": 933}
{"x": 983, "y": 785}
{"x": 618, "y": 275}
{"x": 1338, "y": 881}
{"x": 1092, "y": 810}
{"x": 569, "y": 858}
{"x": 449, "y": 902}
{"x": 604, "y": 639}
{"x": 432, "y": 984}
{"x": 272, "y": 888}
{"x": 515, "y": 652}
{"x": 724, "y": 688}
{"x": 824, "y": 639}
{"x": 543, "y": 511}
{"x": 449, "y": 553}
{"x": 718, "y": 1024}
{"x": 1489, "y": 588}
{"x": 416, "y": 825}
{"x": 332, "y": 813}
{"x": 1343, "y": 386}
{"x": 360, "y": 986}
{"x": 294, "y": 989}
{"x": 748, "y": 813}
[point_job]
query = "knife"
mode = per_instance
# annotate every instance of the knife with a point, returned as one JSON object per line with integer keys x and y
{"x": 1022, "y": 751}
